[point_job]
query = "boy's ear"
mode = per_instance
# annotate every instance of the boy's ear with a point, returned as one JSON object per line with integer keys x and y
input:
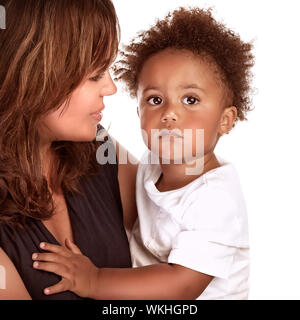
{"x": 227, "y": 121}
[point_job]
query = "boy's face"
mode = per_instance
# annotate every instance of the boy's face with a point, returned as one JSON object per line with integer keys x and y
{"x": 179, "y": 90}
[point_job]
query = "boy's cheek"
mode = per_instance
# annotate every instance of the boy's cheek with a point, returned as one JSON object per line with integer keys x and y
{"x": 147, "y": 122}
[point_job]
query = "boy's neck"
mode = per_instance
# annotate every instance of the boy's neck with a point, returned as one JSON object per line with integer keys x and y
{"x": 174, "y": 175}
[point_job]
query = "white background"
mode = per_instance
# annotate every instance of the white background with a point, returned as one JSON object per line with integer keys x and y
{"x": 265, "y": 149}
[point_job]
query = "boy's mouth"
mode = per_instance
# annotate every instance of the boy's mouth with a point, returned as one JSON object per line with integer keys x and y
{"x": 170, "y": 133}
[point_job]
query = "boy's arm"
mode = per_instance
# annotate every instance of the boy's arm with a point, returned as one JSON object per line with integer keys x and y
{"x": 155, "y": 282}
{"x": 80, "y": 275}
{"x": 127, "y": 177}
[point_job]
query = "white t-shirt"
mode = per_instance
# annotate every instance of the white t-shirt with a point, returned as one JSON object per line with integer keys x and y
{"x": 202, "y": 226}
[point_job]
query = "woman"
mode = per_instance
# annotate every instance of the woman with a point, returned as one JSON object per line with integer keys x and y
{"x": 54, "y": 75}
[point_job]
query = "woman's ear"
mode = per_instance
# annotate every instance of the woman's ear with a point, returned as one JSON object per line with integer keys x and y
{"x": 227, "y": 121}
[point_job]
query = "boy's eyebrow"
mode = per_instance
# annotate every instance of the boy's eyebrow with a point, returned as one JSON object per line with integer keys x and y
{"x": 192, "y": 86}
{"x": 150, "y": 88}
{"x": 189, "y": 86}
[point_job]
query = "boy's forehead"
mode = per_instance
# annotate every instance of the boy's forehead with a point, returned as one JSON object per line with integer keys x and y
{"x": 182, "y": 67}
{"x": 181, "y": 54}
{"x": 174, "y": 59}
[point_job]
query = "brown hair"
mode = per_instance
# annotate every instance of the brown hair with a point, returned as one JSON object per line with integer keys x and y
{"x": 197, "y": 31}
{"x": 47, "y": 49}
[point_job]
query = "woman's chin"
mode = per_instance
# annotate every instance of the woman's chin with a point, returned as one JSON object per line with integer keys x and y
{"x": 87, "y": 136}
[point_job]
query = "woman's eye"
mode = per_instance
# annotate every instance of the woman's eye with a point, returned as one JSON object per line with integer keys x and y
{"x": 97, "y": 77}
{"x": 190, "y": 100}
{"x": 154, "y": 100}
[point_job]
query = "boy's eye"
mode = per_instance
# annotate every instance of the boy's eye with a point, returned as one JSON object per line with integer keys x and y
{"x": 154, "y": 100}
{"x": 190, "y": 100}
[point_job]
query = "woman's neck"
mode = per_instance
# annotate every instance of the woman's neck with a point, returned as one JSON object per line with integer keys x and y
{"x": 174, "y": 176}
{"x": 48, "y": 161}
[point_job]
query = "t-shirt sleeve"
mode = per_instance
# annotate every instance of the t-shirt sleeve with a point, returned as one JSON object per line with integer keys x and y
{"x": 192, "y": 250}
{"x": 212, "y": 233}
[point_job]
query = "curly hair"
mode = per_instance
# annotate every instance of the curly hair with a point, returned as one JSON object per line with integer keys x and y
{"x": 197, "y": 31}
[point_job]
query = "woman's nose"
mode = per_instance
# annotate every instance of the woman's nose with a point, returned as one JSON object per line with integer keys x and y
{"x": 108, "y": 86}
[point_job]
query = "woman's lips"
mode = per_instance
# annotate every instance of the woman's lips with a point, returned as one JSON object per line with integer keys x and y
{"x": 97, "y": 116}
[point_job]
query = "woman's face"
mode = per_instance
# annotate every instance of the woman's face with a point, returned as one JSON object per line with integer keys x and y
{"x": 78, "y": 121}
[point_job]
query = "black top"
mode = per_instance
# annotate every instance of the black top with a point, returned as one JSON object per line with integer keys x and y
{"x": 97, "y": 224}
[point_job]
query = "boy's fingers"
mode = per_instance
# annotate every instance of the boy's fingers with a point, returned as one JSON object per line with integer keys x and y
{"x": 55, "y": 249}
{"x": 72, "y": 246}
{"x": 53, "y": 267}
{"x": 50, "y": 257}
{"x": 61, "y": 286}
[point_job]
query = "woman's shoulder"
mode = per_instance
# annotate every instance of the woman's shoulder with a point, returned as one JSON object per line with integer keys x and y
{"x": 11, "y": 284}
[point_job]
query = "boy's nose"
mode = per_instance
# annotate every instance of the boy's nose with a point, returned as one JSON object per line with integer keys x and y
{"x": 169, "y": 116}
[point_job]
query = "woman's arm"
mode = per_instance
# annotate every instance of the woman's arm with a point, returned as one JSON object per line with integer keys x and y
{"x": 127, "y": 177}
{"x": 11, "y": 280}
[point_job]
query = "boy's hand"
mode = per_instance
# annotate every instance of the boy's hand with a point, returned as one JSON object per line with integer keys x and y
{"x": 77, "y": 271}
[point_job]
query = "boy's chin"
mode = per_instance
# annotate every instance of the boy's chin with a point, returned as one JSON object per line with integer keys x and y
{"x": 171, "y": 158}
{"x": 174, "y": 158}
